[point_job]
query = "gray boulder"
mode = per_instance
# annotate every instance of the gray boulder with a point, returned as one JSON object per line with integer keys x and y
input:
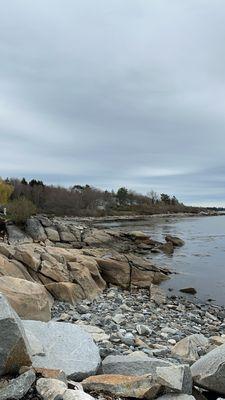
{"x": 176, "y": 378}
{"x": 35, "y": 230}
{"x": 17, "y": 388}
{"x": 14, "y": 347}
{"x": 16, "y": 235}
{"x": 209, "y": 371}
{"x": 67, "y": 347}
{"x": 176, "y": 241}
{"x": 127, "y": 365}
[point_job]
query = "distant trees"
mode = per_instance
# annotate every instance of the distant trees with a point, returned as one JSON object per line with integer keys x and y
{"x": 82, "y": 200}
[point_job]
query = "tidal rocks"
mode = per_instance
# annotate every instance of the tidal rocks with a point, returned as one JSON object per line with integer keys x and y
{"x": 17, "y": 388}
{"x": 189, "y": 347}
{"x": 140, "y": 387}
{"x": 14, "y": 347}
{"x": 29, "y": 299}
{"x": 189, "y": 290}
{"x": 177, "y": 242}
{"x": 67, "y": 347}
{"x": 209, "y": 371}
{"x": 127, "y": 365}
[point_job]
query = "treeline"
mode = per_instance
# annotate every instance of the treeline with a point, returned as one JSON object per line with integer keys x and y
{"x": 85, "y": 200}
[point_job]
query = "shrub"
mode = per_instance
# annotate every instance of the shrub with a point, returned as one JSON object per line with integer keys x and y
{"x": 20, "y": 209}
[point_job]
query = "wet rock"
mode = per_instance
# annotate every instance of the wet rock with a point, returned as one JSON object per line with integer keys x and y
{"x": 125, "y": 386}
{"x": 17, "y": 388}
{"x": 14, "y": 347}
{"x": 174, "y": 240}
{"x": 67, "y": 347}
{"x": 189, "y": 290}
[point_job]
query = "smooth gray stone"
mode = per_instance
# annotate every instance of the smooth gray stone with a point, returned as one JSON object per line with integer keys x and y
{"x": 126, "y": 365}
{"x": 67, "y": 347}
{"x": 16, "y": 236}
{"x": 35, "y": 229}
{"x": 17, "y": 388}
{"x": 209, "y": 371}
{"x": 14, "y": 347}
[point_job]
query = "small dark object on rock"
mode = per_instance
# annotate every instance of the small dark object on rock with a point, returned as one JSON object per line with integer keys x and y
{"x": 189, "y": 290}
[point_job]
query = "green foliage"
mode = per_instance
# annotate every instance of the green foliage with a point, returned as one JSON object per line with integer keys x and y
{"x": 18, "y": 210}
{"x": 5, "y": 192}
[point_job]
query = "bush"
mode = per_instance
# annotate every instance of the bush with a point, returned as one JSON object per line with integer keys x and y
{"x": 20, "y": 209}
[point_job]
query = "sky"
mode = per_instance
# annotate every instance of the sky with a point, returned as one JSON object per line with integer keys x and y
{"x": 115, "y": 93}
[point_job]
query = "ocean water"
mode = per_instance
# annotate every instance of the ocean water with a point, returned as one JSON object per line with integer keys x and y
{"x": 200, "y": 263}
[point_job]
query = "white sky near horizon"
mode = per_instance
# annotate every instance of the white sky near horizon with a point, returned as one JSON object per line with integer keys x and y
{"x": 115, "y": 93}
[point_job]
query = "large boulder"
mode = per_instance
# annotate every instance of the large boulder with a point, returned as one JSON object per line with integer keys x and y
{"x": 190, "y": 347}
{"x": 82, "y": 276}
{"x": 132, "y": 365}
{"x": 28, "y": 256}
{"x": 29, "y": 299}
{"x": 139, "y": 387}
{"x": 51, "y": 268}
{"x": 35, "y": 229}
{"x": 65, "y": 234}
{"x": 115, "y": 271}
{"x": 176, "y": 378}
{"x": 13, "y": 268}
{"x": 66, "y": 291}
{"x": 16, "y": 235}
{"x": 14, "y": 347}
{"x": 209, "y": 371}
{"x": 67, "y": 347}
{"x": 52, "y": 234}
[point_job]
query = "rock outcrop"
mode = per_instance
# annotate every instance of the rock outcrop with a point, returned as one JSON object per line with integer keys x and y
{"x": 29, "y": 299}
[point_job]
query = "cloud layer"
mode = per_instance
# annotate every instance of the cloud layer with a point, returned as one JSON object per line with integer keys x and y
{"x": 115, "y": 93}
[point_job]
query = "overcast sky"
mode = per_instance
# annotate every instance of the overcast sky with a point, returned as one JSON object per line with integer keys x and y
{"x": 114, "y": 93}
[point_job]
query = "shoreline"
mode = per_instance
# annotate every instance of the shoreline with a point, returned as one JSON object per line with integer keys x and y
{"x": 135, "y": 217}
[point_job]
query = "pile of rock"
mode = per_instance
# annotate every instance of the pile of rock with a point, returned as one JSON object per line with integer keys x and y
{"x": 76, "y": 264}
{"x": 41, "y": 360}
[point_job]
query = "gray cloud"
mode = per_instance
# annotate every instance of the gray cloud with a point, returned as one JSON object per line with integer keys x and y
{"x": 115, "y": 93}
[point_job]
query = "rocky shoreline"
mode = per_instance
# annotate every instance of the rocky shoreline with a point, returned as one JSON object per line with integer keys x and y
{"x": 92, "y": 312}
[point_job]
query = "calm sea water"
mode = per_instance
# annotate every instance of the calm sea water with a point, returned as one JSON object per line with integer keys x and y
{"x": 200, "y": 263}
